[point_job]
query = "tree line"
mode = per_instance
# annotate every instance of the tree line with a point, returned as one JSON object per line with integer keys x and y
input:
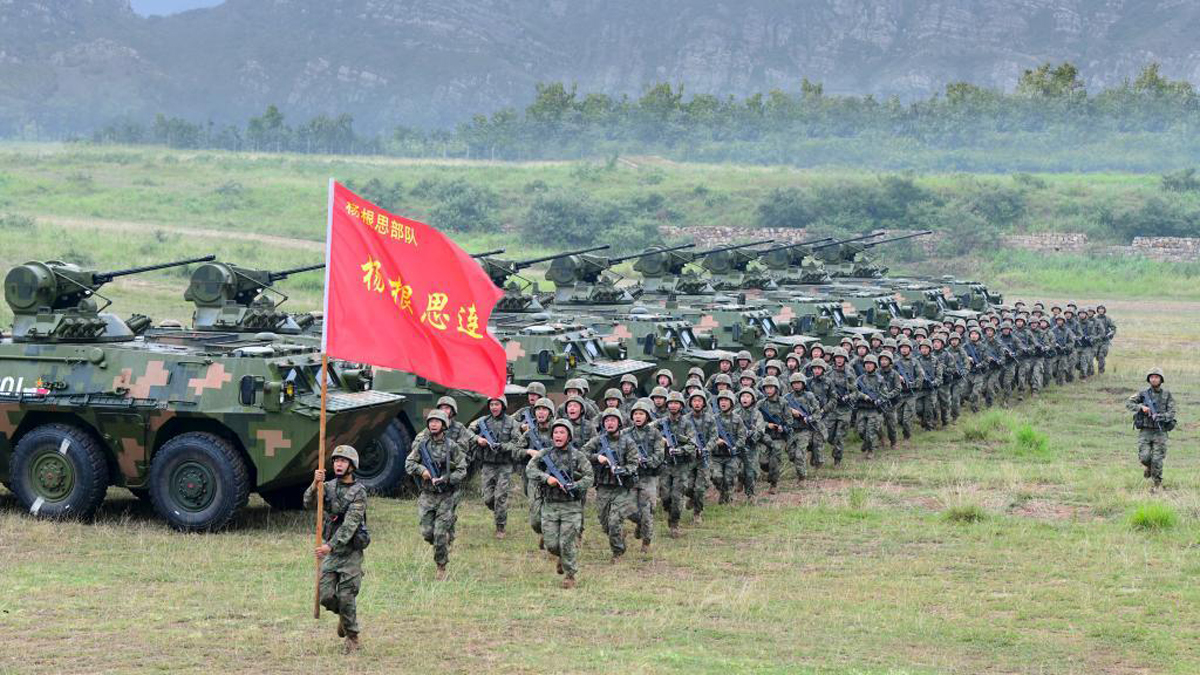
{"x": 1049, "y": 121}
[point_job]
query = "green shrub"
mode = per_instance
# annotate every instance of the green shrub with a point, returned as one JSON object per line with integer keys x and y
{"x": 575, "y": 220}
{"x": 1183, "y": 180}
{"x": 1152, "y": 517}
{"x": 986, "y": 426}
{"x": 466, "y": 208}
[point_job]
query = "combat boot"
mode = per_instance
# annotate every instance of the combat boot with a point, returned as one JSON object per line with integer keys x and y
{"x": 674, "y": 532}
{"x": 499, "y": 532}
{"x": 559, "y": 569}
{"x": 541, "y": 543}
{"x": 351, "y": 644}
{"x": 645, "y": 548}
{"x": 341, "y": 628}
{"x": 698, "y": 519}
{"x": 1146, "y": 473}
{"x": 441, "y": 573}
{"x": 568, "y": 582}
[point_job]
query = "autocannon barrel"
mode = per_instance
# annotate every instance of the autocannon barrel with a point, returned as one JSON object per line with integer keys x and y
{"x": 487, "y": 253}
{"x": 922, "y": 233}
{"x": 526, "y": 263}
{"x": 839, "y": 242}
{"x": 283, "y": 274}
{"x": 105, "y": 277}
{"x": 731, "y": 247}
{"x": 785, "y": 247}
{"x": 643, "y": 254}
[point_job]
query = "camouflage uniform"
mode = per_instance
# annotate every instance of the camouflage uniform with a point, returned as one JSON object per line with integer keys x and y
{"x": 1010, "y": 373}
{"x": 616, "y": 490}
{"x": 870, "y": 415}
{"x": 1064, "y": 344}
{"x": 1152, "y": 436}
{"x": 802, "y": 435}
{"x": 774, "y": 411}
{"x": 525, "y": 421}
{"x": 651, "y": 454}
{"x": 681, "y": 454}
{"x": 725, "y": 457}
{"x": 341, "y": 569}
{"x": 946, "y": 363}
{"x": 754, "y": 429}
{"x": 562, "y": 512}
{"x": 436, "y": 504}
{"x": 536, "y": 439}
{"x": 906, "y": 407}
{"x": 959, "y": 369}
{"x": 496, "y": 462}
{"x": 1109, "y": 329}
{"x": 895, "y": 383}
{"x": 927, "y": 404}
{"x": 703, "y": 429}
{"x": 836, "y": 414}
{"x": 977, "y": 380}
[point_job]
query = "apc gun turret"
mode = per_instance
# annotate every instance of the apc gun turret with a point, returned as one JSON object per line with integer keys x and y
{"x": 854, "y": 261}
{"x": 503, "y": 271}
{"x": 233, "y": 298}
{"x": 53, "y": 301}
{"x": 581, "y": 279}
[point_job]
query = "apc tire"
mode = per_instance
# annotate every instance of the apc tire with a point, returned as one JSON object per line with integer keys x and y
{"x": 381, "y": 467}
{"x": 59, "y": 471}
{"x": 198, "y": 482}
{"x": 285, "y": 499}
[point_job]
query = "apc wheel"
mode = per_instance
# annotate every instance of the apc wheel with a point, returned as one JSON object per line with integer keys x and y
{"x": 198, "y": 482}
{"x": 58, "y": 471}
{"x": 381, "y": 464}
{"x": 285, "y": 499}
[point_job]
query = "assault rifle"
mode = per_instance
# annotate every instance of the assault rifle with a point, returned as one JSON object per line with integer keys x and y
{"x": 724, "y": 434}
{"x": 435, "y": 476}
{"x": 567, "y": 485}
{"x": 669, "y": 436}
{"x": 700, "y": 443}
{"x": 1149, "y": 403}
{"x": 613, "y": 466}
{"x": 795, "y": 404}
{"x": 772, "y": 418}
{"x": 875, "y": 398}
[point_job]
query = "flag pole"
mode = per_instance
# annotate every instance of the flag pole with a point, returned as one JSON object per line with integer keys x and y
{"x": 324, "y": 398}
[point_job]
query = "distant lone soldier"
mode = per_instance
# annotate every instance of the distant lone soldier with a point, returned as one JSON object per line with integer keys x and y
{"x": 1154, "y": 417}
{"x": 343, "y": 537}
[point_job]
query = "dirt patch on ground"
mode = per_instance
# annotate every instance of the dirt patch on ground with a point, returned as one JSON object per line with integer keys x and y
{"x": 1042, "y": 509}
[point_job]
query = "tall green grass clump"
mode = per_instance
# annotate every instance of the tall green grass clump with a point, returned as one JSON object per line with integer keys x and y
{"x": 1029, "y": 442}
{"x": 990, "y": 425}
{"x": 1153, "y": 517}
{"x": 965, "y": 513}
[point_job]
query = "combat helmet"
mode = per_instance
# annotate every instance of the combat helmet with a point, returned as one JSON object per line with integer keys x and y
{"x": 564, "y": 423}
{"x": 347, "y": 452}
{"x": 544, "y": 403}
{"x": 448, "y": 400}
{"x": 797, "y": 377}
{"x": 1156, "y": 371}
{"x": 536, "y": 388}
{"x": 770, "y": 381}
{"x": 676, "y": 397}
{"x": 659, "y": 391}
{"x": 612, "y": 412}
{"x": 439, "y": 415}
{"x": 727, "y": 395}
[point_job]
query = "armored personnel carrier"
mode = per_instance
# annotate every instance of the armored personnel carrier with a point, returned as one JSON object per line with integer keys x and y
{"x": 853, "y": 259}
{"x": 552, "y": 353}
{"x": 669, "y": 342}
{"x": 193, "y": 421}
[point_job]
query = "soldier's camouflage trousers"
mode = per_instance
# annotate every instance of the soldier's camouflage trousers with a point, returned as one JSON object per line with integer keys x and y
{"x": 870, "y": 425}
{"x": 1066, "y": 366}
{"x": 955, "y": 391}
{"x": 495, "y": 482}
{"x": 647, "y": 495}
{"x": 927, "y": 408}
{"x": 673, "y": 480}
{"x": 1009, "y": 377}
{"x": 1101, "y": 355}
{"x": 437, "y": 513}
{"x": 817, "y": 444}
{"x": 519, "y": 468}
{"x": 797, "y": 449}
{"x": 724, "y": 472}
{"x": 771, "y": 459}
{"x": 749, "y": 467}
{"x": 1152, "y": 450}
{"x": 838, "y": 425}
{"x": 901, "y": 417}
{"x": 944, "y": 399}
{"x": 341, "y": 579}
{"x": 1087, "y": 362}
{"x": 561, "y": 522}
{"x": 1037, "y": 373}
{"x": 613, "y": 506}
{"x": 697, "y": 486}
{"x": 976, "y": 389}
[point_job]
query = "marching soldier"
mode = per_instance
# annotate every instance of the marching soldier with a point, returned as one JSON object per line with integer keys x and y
{"x": 931, "y": 381}
{"x": 873, "y": 399}
{"x": 1154, "y": 417}
{"x": 911, "y": 375}
{"x": 681, "y": 451}
{"x": 536, "y": 439}
{"x": 343, "y": 538}
{"x": 614, "y": 458}
{"x": 534, "y": 391}
{"x": 629, "y": 393}
{"x": 774, "y": 442}
{"x": 497, "y": 456}
{"x": 838, "y": 408}
{"x": 703, "y": 428}
{"x": 895, "y": 382}
{"x": 577, "y": 388}
{"x": 754, "y": 430}
{"x": 731, "y": 440}
{"x": 563, "y": 474}
{"x": 441, "y": 465}
{"x": 1109, "y": 328}
{"x": 804, "y": 418}
{"x": 651, "y": 453}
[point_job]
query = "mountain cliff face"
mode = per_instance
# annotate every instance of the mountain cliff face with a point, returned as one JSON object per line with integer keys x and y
{"x": 73, "y": 64}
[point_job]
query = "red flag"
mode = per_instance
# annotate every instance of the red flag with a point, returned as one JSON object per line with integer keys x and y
{"x": 400, "y": 294}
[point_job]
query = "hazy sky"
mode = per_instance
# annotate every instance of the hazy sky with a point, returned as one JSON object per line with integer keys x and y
{"x": 148, "y": 7}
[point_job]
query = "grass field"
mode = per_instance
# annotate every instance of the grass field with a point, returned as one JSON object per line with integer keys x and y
{"x": 1020, "y": 541}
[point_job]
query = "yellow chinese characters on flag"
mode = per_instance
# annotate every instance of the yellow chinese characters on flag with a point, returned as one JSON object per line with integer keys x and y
{"x": 402, "y": 295}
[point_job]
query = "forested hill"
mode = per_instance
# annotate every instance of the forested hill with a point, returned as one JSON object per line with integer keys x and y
{"x": 71, "y": 65}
